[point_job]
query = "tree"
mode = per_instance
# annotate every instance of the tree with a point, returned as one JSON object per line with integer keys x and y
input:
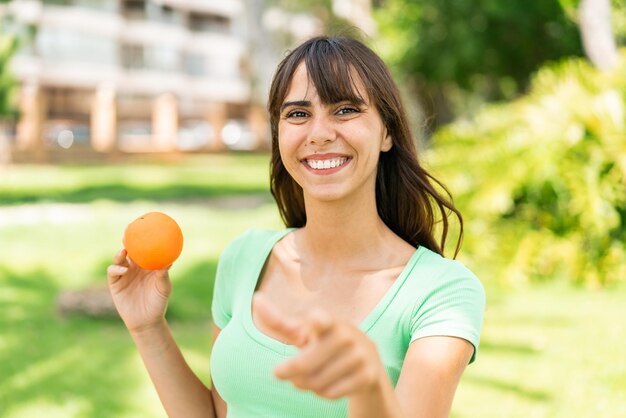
{"x": 486, "y": 47}
{"x": 8, "y": 45}
{"x": 8, "y": 84}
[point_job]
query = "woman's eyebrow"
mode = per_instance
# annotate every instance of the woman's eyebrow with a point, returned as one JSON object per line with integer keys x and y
{"x": 307, "y": 103}
{"x": 302, "y": 103}
{"x": 358, "y": 101}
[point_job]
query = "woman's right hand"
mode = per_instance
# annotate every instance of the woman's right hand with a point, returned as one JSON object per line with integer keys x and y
{"x": 140, "y": 296}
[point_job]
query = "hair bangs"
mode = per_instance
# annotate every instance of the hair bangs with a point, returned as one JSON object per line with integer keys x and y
{"x": 332, "y": 74}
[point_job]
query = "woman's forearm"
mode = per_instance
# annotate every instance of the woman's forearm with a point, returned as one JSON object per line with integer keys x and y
{"x": 377, "y": 402}
{"x": 181, "y": 392}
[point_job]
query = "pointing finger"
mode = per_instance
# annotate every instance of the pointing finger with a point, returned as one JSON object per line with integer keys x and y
{"x": 317, "y": 350}
{"x": 287, "y": 329}
{"x": 319, "y": 322}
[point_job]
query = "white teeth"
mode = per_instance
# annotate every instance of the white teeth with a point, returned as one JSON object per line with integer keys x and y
{"x": 326, "y": 164}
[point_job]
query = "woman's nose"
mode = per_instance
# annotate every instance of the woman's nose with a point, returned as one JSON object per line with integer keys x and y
{"x": 321, "y": 130}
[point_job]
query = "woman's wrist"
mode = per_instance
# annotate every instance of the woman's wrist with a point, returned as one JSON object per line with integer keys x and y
{"x": 374, "y": 390}
{"x": 152, "y": 332}
{"x": 375, "y": 400}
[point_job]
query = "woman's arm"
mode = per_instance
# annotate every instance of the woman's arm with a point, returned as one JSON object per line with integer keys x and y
{"x": 218, "y": 402}
{"x": 337, "y": 359}
{"x": 431, "y": 372}
{"x": 377, "y": 401}
{"x": 141, "y": 297}
{"x": 181, "y": 392}
{"x": 430, "y": 375}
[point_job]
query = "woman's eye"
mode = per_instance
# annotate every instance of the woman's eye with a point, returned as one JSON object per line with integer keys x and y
{"x": 296, "y": 114}
{"x": 347, "y": 110}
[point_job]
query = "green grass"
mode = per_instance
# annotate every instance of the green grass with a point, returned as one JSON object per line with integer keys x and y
{"x": 196, "y": 177}
{"x": 548, "y": 350}
{"x": 83, "y": 367}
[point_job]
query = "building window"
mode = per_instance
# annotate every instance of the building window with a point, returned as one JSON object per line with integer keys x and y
{"x": 8, "y": 129}
{"x": 66, "y": 133}
{"x": 162, "y": 58}
{"x": 224, "y": 68}
{"x": 208, "y": 23}
{"x": 134, "y": 9}
{"x": 194, "y": 134}
{"x": 134, "y": 106}
{"x": 169, "y": 15}
{"x": 142, "y": 57}
{"x": 195, "y": 64}
{"x": 67, "y": 119}
{"x": 162, "y": 13}
{"x": 57, "y": 44}
{"x": 134, "y": 134}
{"x": 132, "y": 57}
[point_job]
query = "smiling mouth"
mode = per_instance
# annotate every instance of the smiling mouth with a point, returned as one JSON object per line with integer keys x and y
{"x": 326, "y": 164}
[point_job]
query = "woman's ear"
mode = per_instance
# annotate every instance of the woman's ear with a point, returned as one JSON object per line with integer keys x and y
{"x": 387, "y": 143}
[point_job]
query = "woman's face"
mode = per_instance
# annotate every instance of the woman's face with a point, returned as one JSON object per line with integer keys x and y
{"x": 330, "y": 150}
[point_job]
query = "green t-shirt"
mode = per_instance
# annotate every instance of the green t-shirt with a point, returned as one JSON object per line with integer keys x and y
{"x": 432, "y": 296}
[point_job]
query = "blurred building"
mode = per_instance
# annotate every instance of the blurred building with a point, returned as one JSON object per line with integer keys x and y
{"x": 358, "y": 13}
{"x": 276, "y": 26}
{"x": 134, "y": 75}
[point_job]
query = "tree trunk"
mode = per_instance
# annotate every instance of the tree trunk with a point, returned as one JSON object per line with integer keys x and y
{"x": 594, "y": 19}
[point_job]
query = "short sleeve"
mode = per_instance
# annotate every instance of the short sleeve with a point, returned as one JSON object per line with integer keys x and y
{"x": 453, "y": 307}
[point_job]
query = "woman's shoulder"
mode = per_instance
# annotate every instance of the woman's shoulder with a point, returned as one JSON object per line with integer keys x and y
{"x": 252, "y": 240}
{"x": 432, "y": 266}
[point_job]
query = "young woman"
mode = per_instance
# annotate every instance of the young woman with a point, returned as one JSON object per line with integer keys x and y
{"x": 352, "y": 310}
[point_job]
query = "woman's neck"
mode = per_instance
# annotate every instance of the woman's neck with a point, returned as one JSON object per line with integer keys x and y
{"x": 345, "y": 231}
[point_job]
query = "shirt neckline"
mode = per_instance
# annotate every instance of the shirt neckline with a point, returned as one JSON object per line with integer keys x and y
{"x": 285, "y": 349}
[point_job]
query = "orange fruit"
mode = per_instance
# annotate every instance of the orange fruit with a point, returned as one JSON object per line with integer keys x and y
{"x": 153, "y": 241}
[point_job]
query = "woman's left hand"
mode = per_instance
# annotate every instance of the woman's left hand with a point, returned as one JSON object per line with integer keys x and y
{"x": 336, "y": 359}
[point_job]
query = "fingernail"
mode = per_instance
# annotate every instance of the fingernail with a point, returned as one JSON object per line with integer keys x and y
{"x": 121, "y": 269}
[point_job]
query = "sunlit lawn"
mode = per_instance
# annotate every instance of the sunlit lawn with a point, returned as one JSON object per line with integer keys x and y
{"x": 88, "y": 367}
{"x": 547, "y": 351}
{"x": 197, "y": 176}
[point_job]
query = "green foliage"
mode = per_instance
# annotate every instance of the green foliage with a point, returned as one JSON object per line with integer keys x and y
{"x": 8, "y": 84}
{"x": 544, "y": 178}
{"x": 618, "y": 17}
{"x": 479, "y": 45}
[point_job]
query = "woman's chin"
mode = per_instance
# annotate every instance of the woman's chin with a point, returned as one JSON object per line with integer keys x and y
{"x": 325, "y": 194}
{"x": 328, "y": 194}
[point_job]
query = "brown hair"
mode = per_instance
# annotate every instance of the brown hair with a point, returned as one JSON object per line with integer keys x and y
{"x": 406, "y": 197}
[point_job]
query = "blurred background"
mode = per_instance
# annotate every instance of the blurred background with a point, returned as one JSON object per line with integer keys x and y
{"x": 113, "y": 108}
